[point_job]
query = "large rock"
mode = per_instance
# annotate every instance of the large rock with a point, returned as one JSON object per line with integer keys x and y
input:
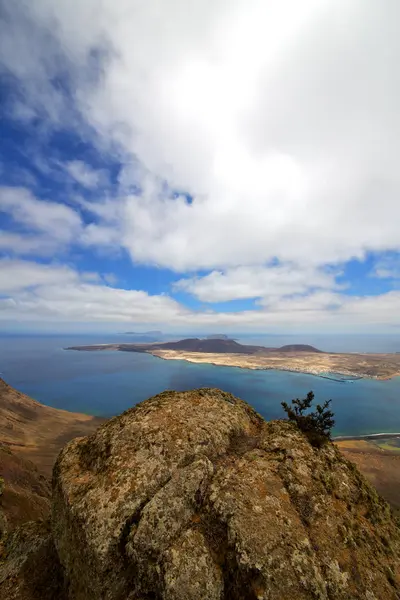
{"x": 194, "y": 496}
{"x": 29, "y": 565}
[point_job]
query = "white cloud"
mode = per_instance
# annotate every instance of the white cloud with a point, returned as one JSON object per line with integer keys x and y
{"x": 18, "y": 275}
{"x": 58, "y": 221}
{"x": 387, "y": 268}
{"x": 110, "y": 279}
{"x": 257, "y": 282}
{"x": 22, "y": 112}
{"x": 85, "y": 175}
{"x": 23, "y": 244}
{"x": 100, "y": 236}
{"x": 52, "y": 227}
{"x": 32, "y": 291}
{"x": 279, "y": 118}
{"x": 255, "y": 110}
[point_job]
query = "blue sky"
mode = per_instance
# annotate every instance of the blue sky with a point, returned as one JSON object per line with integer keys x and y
{"x": 220, "y": 171}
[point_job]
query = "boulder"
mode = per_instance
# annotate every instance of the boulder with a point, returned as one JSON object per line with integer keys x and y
{"x": 192, "y": 495}
{"x": 29, "y": 566}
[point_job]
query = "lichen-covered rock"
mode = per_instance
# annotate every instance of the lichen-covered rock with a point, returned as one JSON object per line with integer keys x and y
{"x": 193, "y": 496}
{"x": 29, "y": 565}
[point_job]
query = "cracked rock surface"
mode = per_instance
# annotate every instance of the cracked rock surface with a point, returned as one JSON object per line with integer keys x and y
{"x": 192, "y": 495}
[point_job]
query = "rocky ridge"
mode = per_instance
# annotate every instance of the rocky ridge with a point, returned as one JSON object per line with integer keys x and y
{"x": 191, "y": 496}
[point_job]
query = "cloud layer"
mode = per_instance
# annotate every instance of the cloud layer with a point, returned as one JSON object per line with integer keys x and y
{"x": 258, "y": 143}
{"x": 280, "y": 120}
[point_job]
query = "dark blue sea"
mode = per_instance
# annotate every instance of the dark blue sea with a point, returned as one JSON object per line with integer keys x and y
{"x": 106, "y": 383}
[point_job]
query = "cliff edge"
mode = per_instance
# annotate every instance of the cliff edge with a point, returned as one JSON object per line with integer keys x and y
{"x": 191, "y": 496}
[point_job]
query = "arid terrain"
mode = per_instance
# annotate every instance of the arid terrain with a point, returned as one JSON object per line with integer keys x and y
{"x": 378, "y": 366}
{"x": 37, "y": 432}
{"x": 379, "y": 462}
{"x": 301, "y": 358}
{"x": 31, "y": 436}
{"x": 26, "y": 491}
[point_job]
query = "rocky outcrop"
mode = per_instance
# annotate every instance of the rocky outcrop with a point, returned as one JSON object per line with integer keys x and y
{"x": 193, "y": 496}
{"x": 29, "y": 565}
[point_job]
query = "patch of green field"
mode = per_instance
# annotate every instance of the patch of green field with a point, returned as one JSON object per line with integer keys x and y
{"x": 390, "y": 444}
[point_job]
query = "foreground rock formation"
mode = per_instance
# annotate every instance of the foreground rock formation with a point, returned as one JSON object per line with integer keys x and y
{"x": 193, "y": 496}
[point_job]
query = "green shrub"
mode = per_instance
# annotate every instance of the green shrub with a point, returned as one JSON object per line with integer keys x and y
{"x": 317, "y": 425}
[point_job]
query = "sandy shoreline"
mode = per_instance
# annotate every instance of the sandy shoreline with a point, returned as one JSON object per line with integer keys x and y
{"x": 334, "y": 366}
{"x": 366, "y": 436}
{"x": 325, "y": 366}
{"x": 260, "y": 367}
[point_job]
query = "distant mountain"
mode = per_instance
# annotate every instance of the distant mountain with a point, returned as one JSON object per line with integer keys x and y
{"x": 218, "y": 336}
{"x": 213, "y": 345}
{"x": 207, "y": 345}
{"x": 199, "y": 345}
{"x": 146, "y": 336}
{"x": 147, "y": 333}
{"x": 298, "y": 348}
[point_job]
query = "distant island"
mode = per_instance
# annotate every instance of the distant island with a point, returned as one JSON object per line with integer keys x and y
{"x": 153, "y": 333}
{"x": 294, "y": 357}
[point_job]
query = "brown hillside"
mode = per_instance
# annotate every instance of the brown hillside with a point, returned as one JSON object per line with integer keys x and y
{"x": 37, "y": 432}
{"x": 25, "y": 492}
{"x": 380, "y": 466}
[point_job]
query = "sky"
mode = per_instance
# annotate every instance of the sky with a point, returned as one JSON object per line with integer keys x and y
{"x": 202, "y": 165}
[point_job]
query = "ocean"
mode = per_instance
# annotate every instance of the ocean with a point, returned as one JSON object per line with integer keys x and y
{"x": 107, "y": 383}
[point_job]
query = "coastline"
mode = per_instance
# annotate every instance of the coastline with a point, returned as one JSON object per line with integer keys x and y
{"x": 366, "y": 436}
{"x": 324, "y": 366}
{"x": 339, "y": 367}
{"x": 332, "y": 366}
{"x": 347, "y": 377}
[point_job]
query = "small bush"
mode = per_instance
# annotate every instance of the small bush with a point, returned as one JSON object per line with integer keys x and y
{"x": 317, "y": 425}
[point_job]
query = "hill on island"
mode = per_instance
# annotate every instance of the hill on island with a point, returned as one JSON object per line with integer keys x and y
{"x": 298, "y": 348}
{"x": 217, "y": 346}
{"x": 193, "y": 496}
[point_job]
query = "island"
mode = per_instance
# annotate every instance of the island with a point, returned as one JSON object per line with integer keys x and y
{"x": 295, "y": 357}
{"x": 152, "y": 333}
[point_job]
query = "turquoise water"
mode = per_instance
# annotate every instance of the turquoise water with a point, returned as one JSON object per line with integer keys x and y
{"x": 106, "y": 383}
